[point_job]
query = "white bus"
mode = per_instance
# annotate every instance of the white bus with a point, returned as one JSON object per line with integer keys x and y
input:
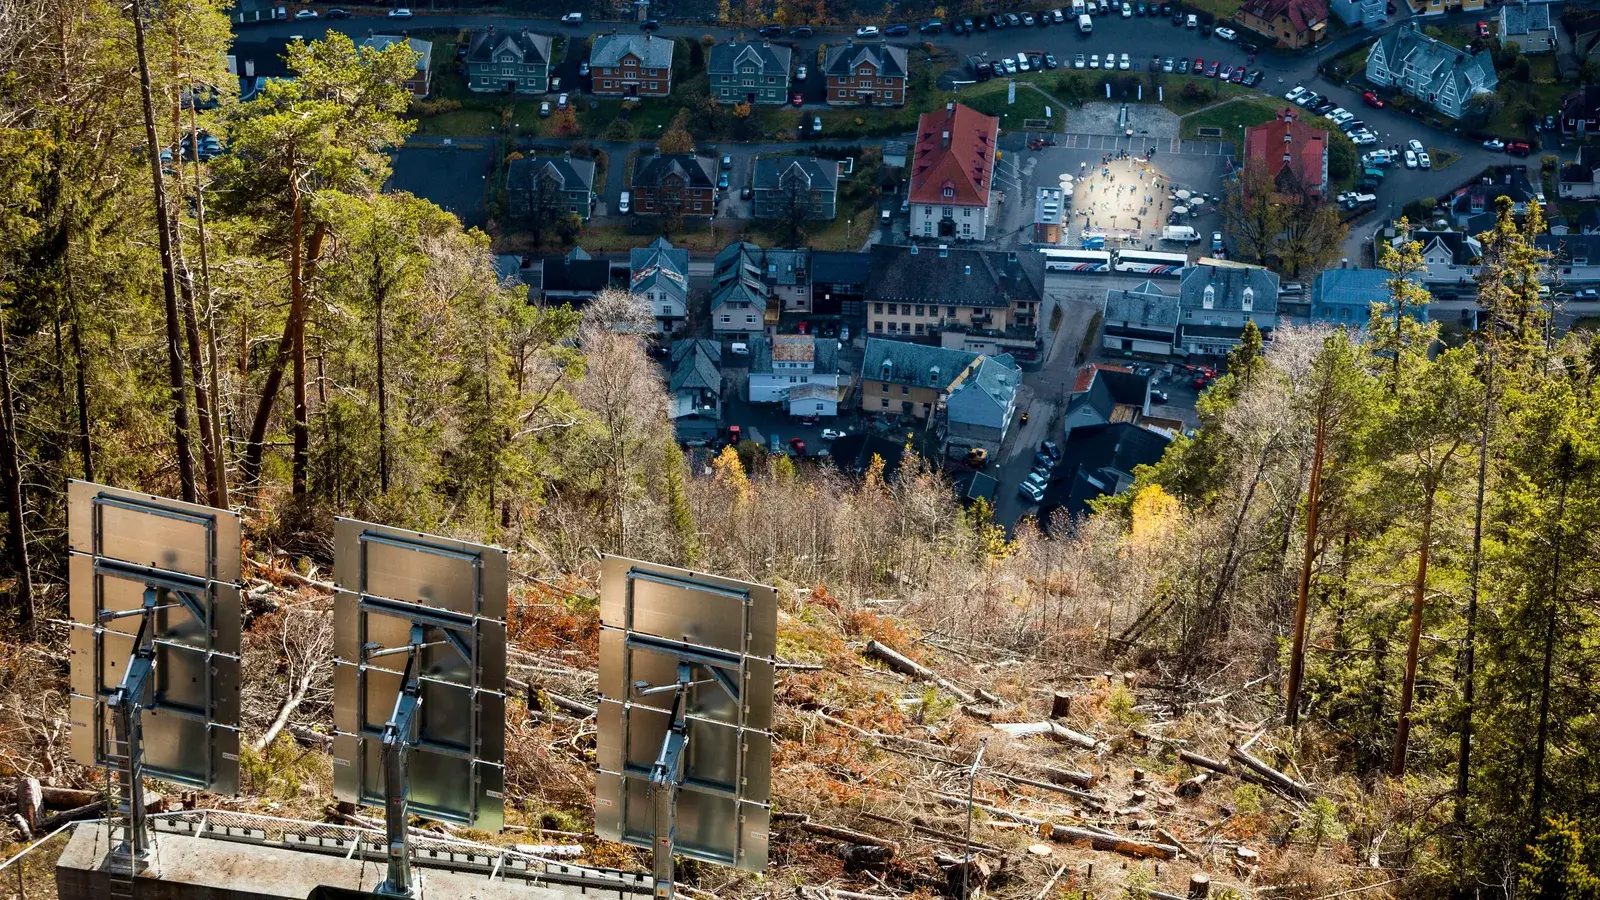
{"x": 1058, "y": 260}
{"x": 1152, "y": 263}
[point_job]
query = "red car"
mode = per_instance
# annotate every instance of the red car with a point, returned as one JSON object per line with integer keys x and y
{"x": 1238, "y": 76}
{"x": 798, "y": 445}
{"x": 797, "y": 100}
{"x": 1483, "y": 30}
{"x": 1199, "y": 66}
{"x": 1212, "y": 72}
{"x": 1372, "y": 100}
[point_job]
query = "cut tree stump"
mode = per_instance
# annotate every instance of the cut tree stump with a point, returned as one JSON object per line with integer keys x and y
{"x": 1199, "y": 886}
{"x": 1060, "y": 705}
{"x": 1193, "y": 787}
{"x": 30, "y": 801}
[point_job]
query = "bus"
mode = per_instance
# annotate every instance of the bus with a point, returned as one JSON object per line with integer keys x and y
{"x": 1057, "y": 260}
{"x": 1152, "y": 263}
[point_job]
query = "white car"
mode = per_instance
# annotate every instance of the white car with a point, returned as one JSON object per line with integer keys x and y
{"x": 1226, "y": 34}
{"x": 572, "y": 19}
{"x": 800, "y": 74}
{"x": 1364, "y": 138}
{"x": 1415, "y": 145}
{"x": 1494, "y": 144}
{"x": 1124, "y": 62}
{"x": 1094, "y": 60}
{"x": 816, "y": 124}
{"x": 1193, "y": 21}
{"x": 306, "y": 14}
{"x": 544, "y": 109}
{"x": 1411, "y": 159}
{"x": 1423, "y": 161}
{"x": 1030, "y": 493}
{"x": 401, "y": 13}
{"x": 867, "y": 31}
{"x": 831, "y": 434}
{"x": 1078, "y": 61}
{"x": 1308, "y": 99}
{"x": 1127, "y": 9}
{"x": 561, "y": 101}
{"x": 1293, "y": 95}
{"x": 1340, "y": 115}
{"x": 1022, "y": 63}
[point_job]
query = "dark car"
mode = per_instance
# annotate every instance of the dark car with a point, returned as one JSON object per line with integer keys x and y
{"x": 897, "y": 30}
{"x": 933, "y": 26}
{"x": 967, "y": 25}
{"x": 1183, "y": 66}
{"x": 997, "y": 20}
{"x": 1140, "y": 9}
{"x": 770, "y": 31}
{"x": 1255, "y": 78}
{"x": 980, "y": 24}
{"x": 804, "y": 31}
{"x": 1166, "y": 9}
{"x": 338, "y": 14}
{"x": 1051, "y": 449}
{"x": 1248, "y": 47}
{"x": 959, "y": 27}
{"x": 1323, "y": 106}
{"x": 1238, "y": 76}
{"x": 650, "y": 25}
{"x": 1049, "y": 61}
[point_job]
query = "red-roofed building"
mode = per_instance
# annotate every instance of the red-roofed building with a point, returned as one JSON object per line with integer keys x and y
{"x": 952, "y": 172}
{"x": 1292, "y": 23}
{"x": 1293, "y": 153}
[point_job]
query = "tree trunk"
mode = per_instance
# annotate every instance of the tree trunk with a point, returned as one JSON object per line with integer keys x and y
{"x": 1297, "y": 650}
{"x": 179, "y": 391}
{"x": 11, "y": 474}
{"x": 211, "y": 401}
{"x": 383, "y": 401}
{"x": 197, "y": 374}
{"x": 1469, "y": 641}
{"x": 85, "y": 445}
{"x": 1542, "y": 736}
{"x": 256, "y": 443}
{"x": 1402, "y": 734}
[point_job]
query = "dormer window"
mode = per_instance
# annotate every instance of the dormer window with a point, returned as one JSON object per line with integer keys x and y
{"x": 949, "y": 191}
{"x": 1209, "y": 301}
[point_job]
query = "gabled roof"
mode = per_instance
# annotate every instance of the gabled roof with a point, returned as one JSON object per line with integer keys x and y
{"x": 265, "y": 56}
{"x": 1589, "y": 220}
{"x": 1145, "y": 304}
{"x": 1302, "y": 14}
{"x": 956, "y": 276}
{"x": 740, "y": 288}
{"x": 1580, "y": 104}
{"x": 659, "y": 266}
{"x": 971, "y": 484}
{"x": 1350, "y": 287}
{"x": 576, "y": 273}
{"x": 695, "y": 366}
{"x": 1227, "y": 286}
{"x": 842, "y": 59}
{"x": 1435, "y": 62}
{"x": 571, "y": 174}
{"x": 490, "y": 45}
{"x": 822, "y": 353}
{"x": 1524, "y": 18}
{"x": 653, "y": 52}
{"x": 817, "y": 174}
{"x": 917, "y": 365}
{"x": 424, "y": 49}
{"x": 1463, "y": 248}
{"x": 695, "y": 170}
{"x": 954, "y": 159}
{"x": 766, "y": 58}
{"x": 1292, "y": 152}
{"x": 1570, "y": 247}
{"x": 1086, "y": 375}
{"x": 994, "y": 381}
{"x": 1097, "y": 460}
{"x": 1510, "y": 182}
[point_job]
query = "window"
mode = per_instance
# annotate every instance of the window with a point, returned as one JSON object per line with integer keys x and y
{"x": 819, "y": 407}
{"x": 921, "y": 310}
{"x": 793, "y": 380}
{"x": 919, "y": 328}
{"x": 950, "y": 311}
{"x": 949, "y": 191}
{"x": 877, "y": 324}
{"x": 966, "y": 229}
{"x": 886, "y": 403}
{"x": 927, "y": 210}
{"x": 927, "y": 228}
{"x": 666, "y": 309}
{"x": 507, "y": 70}
{"x": 947, "y": 213}
{"x": 751, "y": 320}
{"x": 877, "y": 307}
{"x": 904, "y": 390}
{"x": 884, "y": 386}
{"x": 653, "y": 86}
{"x": 966, "y": 212}
{"x": 727, "y": 319}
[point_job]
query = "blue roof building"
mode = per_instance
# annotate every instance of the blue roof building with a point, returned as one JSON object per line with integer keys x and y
{"x": 1345, "y": 297}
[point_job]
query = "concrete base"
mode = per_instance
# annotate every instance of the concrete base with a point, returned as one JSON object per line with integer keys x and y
{"x": 190, "y": 868}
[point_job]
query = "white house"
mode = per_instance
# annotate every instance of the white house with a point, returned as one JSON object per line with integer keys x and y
{"x": 660, "y": 274}
{"x": 980, "y": 407}
{"x": 797, "y": 370}
{"x": 1443, "y": 76}
{"x": 1450, "y": 257}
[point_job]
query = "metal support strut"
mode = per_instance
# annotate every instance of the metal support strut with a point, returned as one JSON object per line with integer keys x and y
{"x": 126, "y": 703}
{"x": 399, "y": 735}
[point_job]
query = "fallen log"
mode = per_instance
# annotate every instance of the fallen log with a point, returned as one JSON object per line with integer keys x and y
{"x": 908, "y": 666}
{"x": 934, "y": 833}
{"x": 1172, "y": 839}
{"x": 1195, "y": 759}
{"x": 1154, "y": 894}
{"x": 581, "y": 710}
{"x": 87, "y": 811}
{"x": 1063, "y": 733}
{"x": 1081, "y": 779}
{"x": 65, "y": 798}
{"x": 1278, "y": 779}
{"x": 1039, "y": 825}
{"x": 812, "y": 892}
{"x": 1044, "y": 785}
{"x": 310, "y": 738}
{"x": 1126, "y": 846}
{"x": 1024, "y": 729}
{"x": 849, "y": 836}
{"x": 1193, "y": 787}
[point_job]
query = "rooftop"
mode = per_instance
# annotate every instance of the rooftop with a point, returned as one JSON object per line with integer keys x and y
{"x": 954, "y": 157}
{"x": 955, "y": 276}
{"x": 652, "y": 52}
{"x": 916, "y": 365}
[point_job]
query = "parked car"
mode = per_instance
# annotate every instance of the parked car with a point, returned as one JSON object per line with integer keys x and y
{"x": 1028, "y": 491}
{"x": 1013, "y": 21}
{"x": 1411, "y": 158}
{"x": 1519, "y": 148}
{"x": 1058, "y": 17}
{"x": 1139, "y": 9}
{"x": 1249, "y": 48}
{"x": 1049, "y": 61}
{"x": 803, "y": 31}
{"x": 1212, "y": 72}
{"x": 624, "y": 204}
{"x": 798, "y": 446}
{"x": 650, "y": 25}
{"x": 1124, "y": 62}
{"x": 867, "y": 31}
{"x": 1199, "y": 67}
{"x": 722, "y": 181}
{"x": 1192, "y": 21}
{"x": 770, "y": 31}
{"x": 1027, "y": 19}
{"x": 1127, "y": 9}
{"x": 1052, "y": 449}
{"x": 306, "y": 14}
{"x": 1294, "y": 95}
{"x": 544, "y": 109}
{"x": 816, "y": 124}
{"x": 832, "y": 434}
{"x": 1168, "y": 65}
{"x": 1226, "y": 34}
{"x": 1009, "y": 64}
{"x": 1183, "y": 66}
{"x": 1094, "y": 60}
{"x": 900, "y": 30}
{"x": 1483, "y": 29}
{"x": 401, "y": 13}
{"x": 561, "y": 101}
{"x": 1423, "y": 161}
{"x": 1078, "y": 61}
{"x": 338, "y": 14}
{"x": 1255, "y": 78}
{"x": 1324, "y": 106}
{"x": 572, "y": 19}
{"x": 1494, "y": 144}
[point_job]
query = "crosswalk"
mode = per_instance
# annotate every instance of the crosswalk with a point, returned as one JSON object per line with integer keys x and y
{"x": 1139, "y": 143}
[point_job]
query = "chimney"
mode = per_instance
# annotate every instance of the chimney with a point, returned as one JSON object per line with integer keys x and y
{"x": 1011, "y": 256}
{"x": 944, "y": 251}
{"x": 966, "y": 270}
{"x": 950, "y": 107}
{"x": 944, "y": 140}
{"x": 249, "y": 68}
{"x": 913, "y": 249}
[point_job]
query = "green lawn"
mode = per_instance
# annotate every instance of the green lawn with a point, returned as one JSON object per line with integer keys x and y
{"x": 1542, "y": 68}
{"x": 989, "y": 98}
{"x": 1222, "y": 9}
{"x": 1442, "y": 159}
{"x": 845, "y": 232}
{"x": 1455, "y": 36}
{"x": 1232, "y": 118}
